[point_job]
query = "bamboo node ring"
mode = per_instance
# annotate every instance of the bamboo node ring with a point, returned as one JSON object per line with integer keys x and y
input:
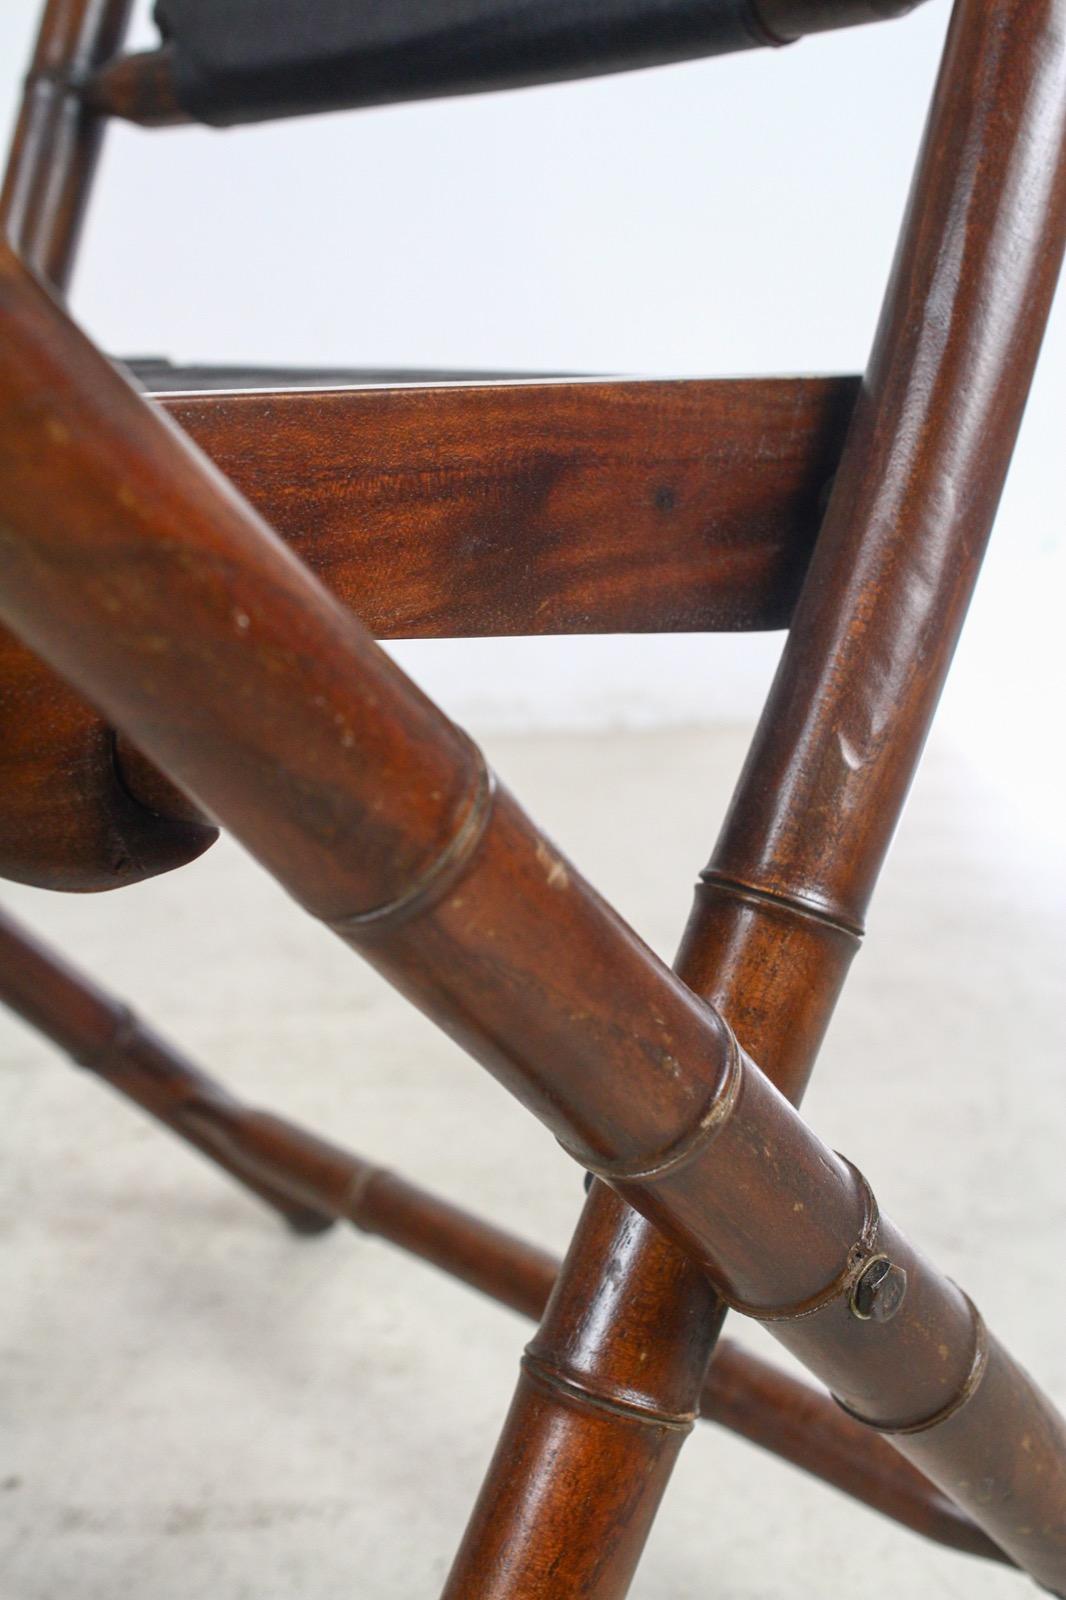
{"x": 968, "y": 1388}
{"x": 859, "y": 1258}
{"x": 649, "y": 1168}
{"x": 443, "y": 871}
{"x": 793, "y": 904}
{"x": 561, "y": 1385}
{"x": 355, "y": 1194}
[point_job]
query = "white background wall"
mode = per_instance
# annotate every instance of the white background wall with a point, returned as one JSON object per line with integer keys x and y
{"x": 732, "y": 216}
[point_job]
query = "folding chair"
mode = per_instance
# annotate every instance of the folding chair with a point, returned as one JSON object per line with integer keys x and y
{"x": 237, "y": 664}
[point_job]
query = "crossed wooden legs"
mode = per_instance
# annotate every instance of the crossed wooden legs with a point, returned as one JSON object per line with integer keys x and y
{"x": 783, "y": 902}
{"x": 311, "y": 1184}
{"x": 146, "y": 580}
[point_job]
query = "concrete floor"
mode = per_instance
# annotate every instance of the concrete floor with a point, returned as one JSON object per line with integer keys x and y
{"x": 195, "y": 1404}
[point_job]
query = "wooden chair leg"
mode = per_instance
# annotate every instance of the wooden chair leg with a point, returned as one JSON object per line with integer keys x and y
{"x": 104, "y": 1036}
{"x": 313, "y": 1182}
{"x": 57, "y": 137}
{"x": 69, "y": 820}
{"x": 594, "y": 1430}
{"x": 1008, "y": 1391}
{"x": 137, "y": 572}
{"x": 782, "y": 906}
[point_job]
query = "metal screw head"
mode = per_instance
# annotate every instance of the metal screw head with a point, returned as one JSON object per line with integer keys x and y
{"x": 879, "y": 1292}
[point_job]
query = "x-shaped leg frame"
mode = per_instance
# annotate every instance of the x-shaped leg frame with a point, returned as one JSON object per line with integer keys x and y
{"x": 138, "y": 572}
{"x": 311, "y": 1184}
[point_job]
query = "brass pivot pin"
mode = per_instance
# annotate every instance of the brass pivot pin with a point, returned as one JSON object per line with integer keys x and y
{"x": 879, "y": 1292}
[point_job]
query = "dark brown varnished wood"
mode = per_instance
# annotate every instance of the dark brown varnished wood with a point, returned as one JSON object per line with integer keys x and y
{"x": 989, "y": 1400}
{"x": 105, "y": 1036}
{"x": 312, "y": 1182}
{"x": 575, "y": 507}
{"x": 450, "y": 512}
{"x": 790, "y": 1419}
{"x": 635, "y": 1292}
{"x": 57, "y": 136}
{"x": 137, "y": 88}
{"x": 626, "y": 1407}
{"x": 67, "y": 819}
{"x": 783, "y": 902}
{"x": 144, "y": 576}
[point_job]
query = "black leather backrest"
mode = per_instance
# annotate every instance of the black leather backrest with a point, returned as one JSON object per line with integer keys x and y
{"x": 246, "y": 60}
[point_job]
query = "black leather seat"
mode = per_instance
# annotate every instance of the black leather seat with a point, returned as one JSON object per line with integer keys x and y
{"x": 246, "y": 60}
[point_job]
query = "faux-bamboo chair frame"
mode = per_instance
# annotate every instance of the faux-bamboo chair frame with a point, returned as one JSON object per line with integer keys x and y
{"x": 273, "y": 707}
